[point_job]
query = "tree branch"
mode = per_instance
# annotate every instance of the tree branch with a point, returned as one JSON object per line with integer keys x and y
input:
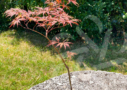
{"x": 56, "y": 51}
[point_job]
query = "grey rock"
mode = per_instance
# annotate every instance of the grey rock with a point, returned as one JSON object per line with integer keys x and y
{"x": 85, "y": 80}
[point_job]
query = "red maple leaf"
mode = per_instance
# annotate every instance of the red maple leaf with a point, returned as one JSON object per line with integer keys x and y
{"x": 15, "y": 22}
{"x": 65, "y": 6}
{"x": 58, "y": 1}
{"x": 73, "y": 1}
{"x": 52, "y": 43}
{"x": 70, "y": 54}
{"x": 65, "y": 44}
{"x": 60, "y": 44}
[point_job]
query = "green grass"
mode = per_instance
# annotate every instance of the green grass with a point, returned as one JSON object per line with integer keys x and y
{"x": 26, "y": 61}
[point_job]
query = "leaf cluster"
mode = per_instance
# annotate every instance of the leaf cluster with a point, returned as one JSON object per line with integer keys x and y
{"x": 46, "y": 17}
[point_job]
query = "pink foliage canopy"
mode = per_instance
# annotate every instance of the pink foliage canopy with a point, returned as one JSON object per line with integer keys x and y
{"x": 47, "y": 17}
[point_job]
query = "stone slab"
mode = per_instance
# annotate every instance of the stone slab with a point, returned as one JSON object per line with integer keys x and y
{"x": 85, "y": 80}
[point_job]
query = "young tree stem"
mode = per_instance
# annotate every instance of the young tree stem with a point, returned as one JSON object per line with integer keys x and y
{"x": 56, "y": 51}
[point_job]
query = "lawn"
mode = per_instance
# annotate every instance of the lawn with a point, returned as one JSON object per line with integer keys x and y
{"x": 26, "y": 61}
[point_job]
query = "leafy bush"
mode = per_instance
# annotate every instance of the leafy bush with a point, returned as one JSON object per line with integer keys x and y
{"x": 108, "y": 12}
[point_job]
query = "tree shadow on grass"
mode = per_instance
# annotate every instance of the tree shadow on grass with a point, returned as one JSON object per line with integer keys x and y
{"x": 31, "y": 37}
{"x": 87, "y": 58}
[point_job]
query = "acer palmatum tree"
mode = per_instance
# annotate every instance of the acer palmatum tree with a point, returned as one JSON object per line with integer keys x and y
{"x": 49, "y": 18}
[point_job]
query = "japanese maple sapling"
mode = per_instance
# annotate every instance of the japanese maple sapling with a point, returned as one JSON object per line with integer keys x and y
{"x": 49, "y": 18}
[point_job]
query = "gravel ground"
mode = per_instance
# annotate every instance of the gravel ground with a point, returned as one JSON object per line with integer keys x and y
{"x": 85, "y": 80}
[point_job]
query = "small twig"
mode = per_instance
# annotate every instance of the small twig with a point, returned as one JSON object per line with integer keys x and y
{"x": 55, "y": 28}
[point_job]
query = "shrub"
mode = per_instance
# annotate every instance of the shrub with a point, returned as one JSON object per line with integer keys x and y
{"x": 49, "y": 18}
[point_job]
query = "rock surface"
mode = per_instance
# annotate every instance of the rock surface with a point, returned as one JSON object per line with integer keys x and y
{"x": 85, "y": 80}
